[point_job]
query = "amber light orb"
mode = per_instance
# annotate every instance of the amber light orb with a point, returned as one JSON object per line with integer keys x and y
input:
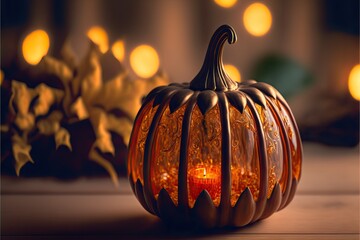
{"x": 35, "y": 46}
{"x": 214, "y": 152}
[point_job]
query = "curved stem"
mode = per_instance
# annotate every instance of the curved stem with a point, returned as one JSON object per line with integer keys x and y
{"x": 212, "y": 75}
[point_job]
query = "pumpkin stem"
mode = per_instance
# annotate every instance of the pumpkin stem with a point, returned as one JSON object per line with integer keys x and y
{"x": 212, "y": 75}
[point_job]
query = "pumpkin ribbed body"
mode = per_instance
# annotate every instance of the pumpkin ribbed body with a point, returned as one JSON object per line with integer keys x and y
{"x": 228, "y": 154}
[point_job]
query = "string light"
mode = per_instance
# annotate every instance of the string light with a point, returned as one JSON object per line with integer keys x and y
{"x": 99, "y": 36}
{"x": 257, "y": 19}
{"x": 144, "y": 61}
{"x": 233, "y": 72}
{"x": 225, "y": 3}
{"x": 354, "y": 82}
{"x": 35, "y": 45}
{"x": 118, "y": 50}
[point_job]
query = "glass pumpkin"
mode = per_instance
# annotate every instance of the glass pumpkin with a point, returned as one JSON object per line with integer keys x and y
{"x": 214, "y": 152}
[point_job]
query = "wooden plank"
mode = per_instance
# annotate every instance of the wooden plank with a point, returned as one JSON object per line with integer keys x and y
{"x": 330, "y": 170}
{"x": 204, "y": 236}
{"x": 97, "y": 185}
{"x": 122, "y": 215}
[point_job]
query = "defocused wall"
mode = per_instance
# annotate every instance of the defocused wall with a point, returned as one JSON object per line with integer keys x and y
{"x": 320, "y": 36}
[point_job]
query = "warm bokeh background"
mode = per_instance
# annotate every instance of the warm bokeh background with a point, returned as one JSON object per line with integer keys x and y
{"x": 307, "y": 49}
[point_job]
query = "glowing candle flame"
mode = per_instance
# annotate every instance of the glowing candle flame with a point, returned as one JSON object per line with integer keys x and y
{"x": 204, "y": 172}
{"x": 354, "y": 82}
{"x": 118, "y": 50}
{"x": 232, "y": 72}
{"x": 225, "y": 3}
{"x": 99, "y": 36}
{"x": 144, "y": 61}
{"x": 257, "y": 19}
{"x": 35, "y": 45}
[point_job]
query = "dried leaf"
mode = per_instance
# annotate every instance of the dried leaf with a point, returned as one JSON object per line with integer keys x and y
{"x": 62, "y": 137}
{"x": 21, "y": 151}
{"x": 51, "y": 124}
{"x": 96, "y": 157}
{"x": 51, "y": 65}
{"x": 88, "y": 80}
{"x": 21, "y": 98}
{"x": 25, "y": 122}
{"x": 47, "y": 96}
{"x": 68, "y": 55}
{"x": 121, "y": 126}
{"x": 126, "y": 94}
{"x": 19, "y": 104}
{"x": 103, "y": 140}
{"x": 78, "y": 108}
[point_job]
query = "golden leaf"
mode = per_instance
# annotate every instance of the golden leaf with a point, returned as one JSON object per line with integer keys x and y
{"x": 121, "y": 126}
{"x": 68, "y": 55}
{"x": 51, "y": 124}
{"x": 21, "y": 98}
{"x": 47, "y": 96}
{"x": 19, "y": 104}
{"x": 103, "y": 140}
{"x": 126, "y": 94}
{"x": 79, "y": 109}
{"x": 88, "y": 80}
{"x": 21, "y": 152}
{"x": 51, "y": 65}
{"x": 62, "y": 137}
{"x": 96, "y": 157}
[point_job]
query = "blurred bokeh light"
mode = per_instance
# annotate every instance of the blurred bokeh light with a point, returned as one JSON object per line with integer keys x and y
{"x": 354, "y": 82}
{"x": 257, "y": 19}
{"x": 233, "y": 72}
{"x": 35, "y": 45}
{"x": 99, "y": 36}
{"x": 225, "y": 3}
{"x": 144, "y": 61}
{"x": 118, "y": 50}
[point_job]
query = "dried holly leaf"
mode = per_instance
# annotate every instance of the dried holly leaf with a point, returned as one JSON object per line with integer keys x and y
{"x": 121, "y": 126}
{"x": 56, "y": 67}
{"x": 20, "y": 98}
{"x": 96, "y": 157}
{"x": 78, "y": 108}
{"x": 21, "y": 151}
{"x": 103, "y": 140}
{"x": 47, "y": 96}
{"x": 126, "y": 94}
{"x": 19, "y": 104}
{"x": 51, "y": 124}
{"x": 62, "y": 137}
{"x": 68, "y": 55}
{"x": 88, "y": 80}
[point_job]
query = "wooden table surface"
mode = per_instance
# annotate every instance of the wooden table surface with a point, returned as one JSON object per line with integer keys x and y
{"x": 326, "y": 206}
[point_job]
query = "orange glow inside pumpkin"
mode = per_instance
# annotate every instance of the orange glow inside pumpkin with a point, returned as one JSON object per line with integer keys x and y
{"x": 165, "y": 160}
{"x": 204, "y": 151}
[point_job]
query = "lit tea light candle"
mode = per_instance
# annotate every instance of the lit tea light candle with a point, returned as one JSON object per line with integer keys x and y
{"x": 204, "y": 179}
